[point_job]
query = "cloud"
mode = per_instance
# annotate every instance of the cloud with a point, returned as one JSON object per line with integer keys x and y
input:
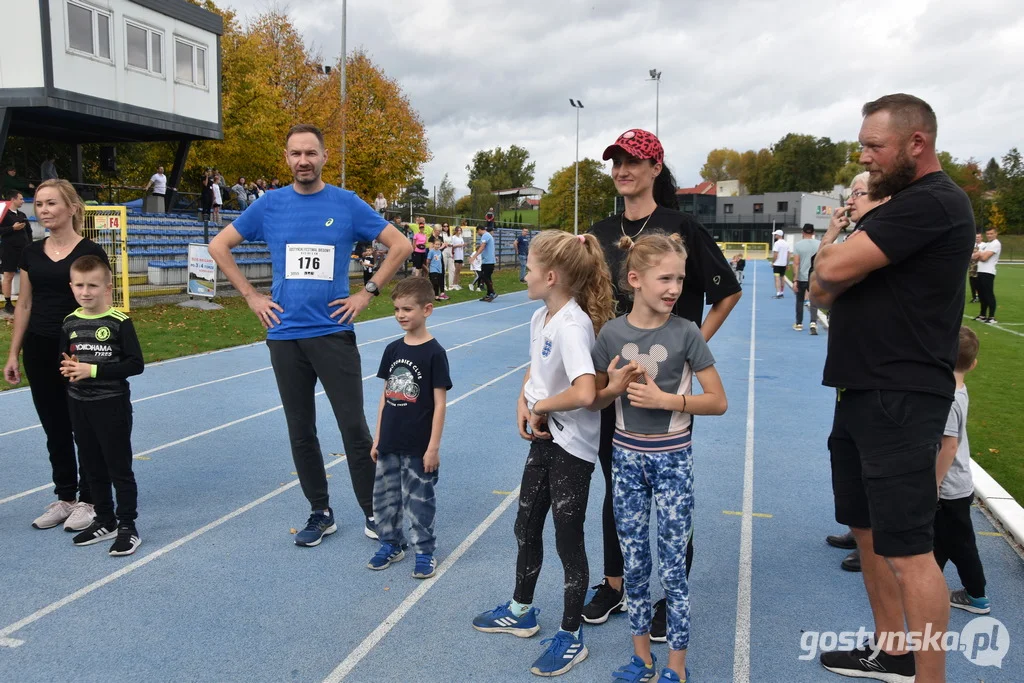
{"x": 488, "y": 73}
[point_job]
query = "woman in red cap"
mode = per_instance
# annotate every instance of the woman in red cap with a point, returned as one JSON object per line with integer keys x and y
{"x": 649, "y": 191}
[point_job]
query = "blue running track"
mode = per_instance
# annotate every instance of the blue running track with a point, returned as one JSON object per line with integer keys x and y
{"x": 218, "y": 592}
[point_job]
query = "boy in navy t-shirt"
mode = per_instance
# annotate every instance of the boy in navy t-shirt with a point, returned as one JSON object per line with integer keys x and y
{"x": 409, "y": 423}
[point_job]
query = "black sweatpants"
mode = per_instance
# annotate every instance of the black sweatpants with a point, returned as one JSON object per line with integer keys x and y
{"x": 987, "y": 294}
{"x": 41, "y": 356}
{"x": 103, "y": 432}
{"x": 955, "y": 542}
{"x": 437, "y": 280}
{"x": 554, "y": 479}
{"x": 486, "y": 273}
{"x": 334, "y": 360}
{"x": 613, "y": 564}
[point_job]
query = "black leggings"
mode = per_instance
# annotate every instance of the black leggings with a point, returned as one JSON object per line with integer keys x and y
{"x": 486, "y": 271}
{"x": 987, "y": 294}
{"x": 50, "y": 396}
{"x": 613, "y": 565}
{"x": 436, "y": 280}
{"x": 972, "y": 280}
{"x": 955, "y": 542}
{"x": 554, "y": 479}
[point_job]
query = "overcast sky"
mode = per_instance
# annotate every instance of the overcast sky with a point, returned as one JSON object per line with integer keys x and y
{"x": 488, "y": 73}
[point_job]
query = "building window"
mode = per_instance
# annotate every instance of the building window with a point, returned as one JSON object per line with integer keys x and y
{"x": 727, "y": 208}
{"x": 189, "y": 63}
{"x": 758, "y": 208}
{"x": 144, "y": 48}
{"x": 88, "y": 30}
{"x": 783, "y": 207}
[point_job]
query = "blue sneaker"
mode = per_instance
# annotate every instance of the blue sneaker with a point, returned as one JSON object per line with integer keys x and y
{"x": 426, "y": 566}
{"x": 636, "y": 671}
{"x": 320, "y": 524}
{"x": 564, "y": 653}
{"x": 670, "y": 676}
{"x": 386, "y": 556}
{"x": 502, "y": 620}
{"x": 961, "y": 599}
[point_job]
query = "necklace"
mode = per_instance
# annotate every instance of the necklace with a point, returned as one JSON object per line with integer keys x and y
{"x": 53, "y": 245}
{"x": 622, "y": 225}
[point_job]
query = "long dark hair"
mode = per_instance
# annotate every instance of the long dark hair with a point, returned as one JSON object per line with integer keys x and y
{"x": 665, "y": 189}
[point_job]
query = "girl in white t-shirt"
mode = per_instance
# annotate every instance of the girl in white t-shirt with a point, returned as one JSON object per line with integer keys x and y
{"x": 475, "y": 263}
{"x": 458, "y": 250}
{"x": 570, "y": 276}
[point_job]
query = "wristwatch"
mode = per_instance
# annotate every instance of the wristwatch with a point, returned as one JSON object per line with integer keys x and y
{"x": 372, "y": 288}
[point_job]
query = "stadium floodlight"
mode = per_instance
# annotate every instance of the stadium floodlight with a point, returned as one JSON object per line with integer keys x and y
{"x": 577, "y": 105}
{"x": 656, "y": 77}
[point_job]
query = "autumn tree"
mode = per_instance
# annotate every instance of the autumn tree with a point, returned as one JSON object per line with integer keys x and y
{"x": 597, "y": 193}
{"x": 996, "y": 218}
{"x": 721, "y": 164}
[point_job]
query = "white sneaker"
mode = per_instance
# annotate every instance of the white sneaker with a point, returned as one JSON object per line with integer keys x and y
{"x": 55, "y": 514}
{"x": 81, "y": 518}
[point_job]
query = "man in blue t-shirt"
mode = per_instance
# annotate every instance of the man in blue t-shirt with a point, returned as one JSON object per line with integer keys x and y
{"x": 522, "y": 250}
{"x": 310, "y": 228}
{"x": 485, "y": 250}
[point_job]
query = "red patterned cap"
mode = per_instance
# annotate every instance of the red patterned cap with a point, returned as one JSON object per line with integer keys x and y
{"x": 638, "y": 143}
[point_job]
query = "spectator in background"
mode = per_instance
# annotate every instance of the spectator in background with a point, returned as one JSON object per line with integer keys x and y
{"x": 458, "y": 250}
{"x": 489, "y": 217}
{"x": 206, "y": 193}
{"x": 12, "y": 181}
{"x": 48, "y": 170}
{"x": 419, "y": 248}
{"x": 275, "y": 184}
{"x": 380, "y": 203}
{"x": 158, "y": 183}
{"x": 803, "y": 252}
{"x": 779, "y": 257}
{"x": 522, "y": 249}
{"x": 987, "y": 257}
{"x": 217, "y": 186}
{"x": 485, "y": 251}
{"x": 449, "y": 258}
{"x": 972, "y": 272}
{"x": 241, "y": 194}
{"x": 15, "y": 235}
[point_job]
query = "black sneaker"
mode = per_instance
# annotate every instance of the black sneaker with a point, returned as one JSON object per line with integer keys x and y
{"x": 851, "y": 562}
{"x": 866, "y": 663}
{"x": 659, "y": 622}
{"x": 845, "y": 541}
{"x": 606, "y": 601}
{"x": 127, "y": 541}
{"x": 9, "y": 308}
{"x": 95, "y": 532}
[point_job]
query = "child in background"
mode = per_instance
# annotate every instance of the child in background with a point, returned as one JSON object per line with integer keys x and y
{"x": 435, "y": 263}
{"x": 474, "y": 267}
{"x": 954, "y": 531}
{"x": 647, "y": 360}
{"x": 368, "y": 264}
{"x": 570, "y": 276}
{"x": 407, "y": 444}
{"x": 100, "y": 352}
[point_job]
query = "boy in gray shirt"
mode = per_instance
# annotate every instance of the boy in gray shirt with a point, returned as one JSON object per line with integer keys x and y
{"x": 954, "y": 532}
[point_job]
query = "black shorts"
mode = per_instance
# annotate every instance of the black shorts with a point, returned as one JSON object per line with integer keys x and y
{"x": 418, "y": 259}
{"x": 459, "y": 261}
{"x": 883, "y": 447}
{"x": 9, "y": 257}
{"x": 779, "y": 270}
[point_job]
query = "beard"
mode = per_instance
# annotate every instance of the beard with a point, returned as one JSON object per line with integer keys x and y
{"x": 886, "y": 184}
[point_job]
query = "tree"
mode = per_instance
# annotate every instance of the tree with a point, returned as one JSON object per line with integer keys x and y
{"x": 968, "y": 176}
{"x": 414, "y": 195}
{"x": 481, "y": 198}
{"x": 597, "y": 192}
{"x": 721, "y": 164}
{"x": 445, "y": 196}
{"x": 464, "y": 205}
{"x": 502, "y": 169}
{"x": 1010, "y": 193}
{"x": 756, "y": 170}
{"x": 805, "y": 163}
{"x": 992, "y": 175}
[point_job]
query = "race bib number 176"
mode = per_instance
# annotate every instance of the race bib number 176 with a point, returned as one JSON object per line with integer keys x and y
{"x": 309, "y": 262}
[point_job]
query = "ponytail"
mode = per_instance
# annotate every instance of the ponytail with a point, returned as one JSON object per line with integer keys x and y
{"x": 665, "y": 189}
{"x": 580, "y": 262}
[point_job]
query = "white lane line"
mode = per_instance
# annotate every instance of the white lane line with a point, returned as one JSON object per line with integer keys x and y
{"x": 741, "y": 645}
{"x": 7, "y": 641}
{"x": 378, "y": 634}
{"x": 250, "y": 417}
{"x": 264, "y": 369}
{"x": 5, "y": 633}
{"x": 997, "y": 326}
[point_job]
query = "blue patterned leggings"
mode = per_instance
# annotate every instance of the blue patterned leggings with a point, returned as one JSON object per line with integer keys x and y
{"x": 668, "y": 479}
{"x": 401, "y": 485}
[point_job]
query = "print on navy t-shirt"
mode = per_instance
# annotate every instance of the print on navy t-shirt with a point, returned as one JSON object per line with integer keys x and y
{"x": 411, "y": 374}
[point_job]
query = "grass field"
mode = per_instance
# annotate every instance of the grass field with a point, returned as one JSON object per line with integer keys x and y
{"x": 526, "y": 217}
{"x": 994, "y": 424}
{"x": 168, "y": 331}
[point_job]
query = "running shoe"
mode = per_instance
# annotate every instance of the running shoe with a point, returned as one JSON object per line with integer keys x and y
{"x": 798, "y": 327}
{"x": 386, "y": 556}
{"x": 127, "y": 541}
{"x": 95, "y": 533}
{"x": 54, "y": 514}
{"x": 320, "y": 524}
{"x": 606, "y": 601}
{"x": 426, "y": 566}
{"x": 564, "y": 652}
{"x": 370, "y": 529}
{"x": 636, "y": 671}
{"x": 961, "y": 599}
{"x": 502, "y": 620}
{"x": 81, "y": 518}
{"x": 865, "y": 662}
{"x": 814, "y": 329}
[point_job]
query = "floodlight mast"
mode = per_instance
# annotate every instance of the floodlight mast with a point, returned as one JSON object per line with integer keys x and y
{"x": 656, "y": 77}
{"x": 577, "y": 105}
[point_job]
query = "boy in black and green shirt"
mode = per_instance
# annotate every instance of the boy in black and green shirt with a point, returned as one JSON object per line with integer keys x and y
{"x": 100, "y": 351}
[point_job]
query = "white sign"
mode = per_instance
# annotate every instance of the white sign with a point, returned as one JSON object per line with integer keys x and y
{"x": 202, "y": 271}
{"x": 309, "y": 262}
